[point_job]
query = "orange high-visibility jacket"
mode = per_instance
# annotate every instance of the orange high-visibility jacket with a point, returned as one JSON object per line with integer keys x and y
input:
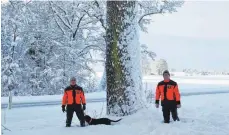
{"x": 167, "y": 90}
{"x": 73, "y": 95}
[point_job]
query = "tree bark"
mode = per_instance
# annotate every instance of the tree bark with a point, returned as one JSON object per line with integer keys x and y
{"x": 123, "y": 70}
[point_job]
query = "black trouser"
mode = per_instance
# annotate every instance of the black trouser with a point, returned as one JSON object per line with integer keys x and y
{"x": 79, "y": 113}
{"x": 167, "y": 107}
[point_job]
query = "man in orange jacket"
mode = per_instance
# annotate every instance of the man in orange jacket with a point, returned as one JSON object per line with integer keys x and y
{"x": 74, "y": 99}
{"x": 167, "y": 91}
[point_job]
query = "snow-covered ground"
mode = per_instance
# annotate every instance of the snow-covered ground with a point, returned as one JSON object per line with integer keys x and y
{"x": 191, "y": 84}
{"x": 211, "y": 80}
{"x": 200, "y": 115}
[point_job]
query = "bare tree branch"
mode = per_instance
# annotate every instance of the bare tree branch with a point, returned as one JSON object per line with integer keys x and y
{"x": 15, "y": 35}
{"x": 101, "y": 20}
{"x": 64, "y": 13}
{"x": 55, "y": 13}
{"x": 103, "y": 24}
{"x": 28, "y": 2}
{"x": 78, "y": 25}
{"x": 72, "y": 18}
{"x": 97, "y": 3}
{"x": 55, "y": 18}
{"x": 90, "y": 55}
{"x": 11, "y": 3}
{"x": 5, "y": 128}
{"x": 64, "y": 22}
{"x": 61, "y": 9}
{"x": 88, "y": 22}
{"x": 88, "y": 47}
{"x": 99, "y": 17}
{"x": 152, "y": 13}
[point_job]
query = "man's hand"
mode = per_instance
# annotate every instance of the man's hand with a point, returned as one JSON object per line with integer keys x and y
{"x": 157, "y": 105}
{"x": 84, "y": 107}
{"x": 63, "y": 108}
{"x": 179, "y": 106}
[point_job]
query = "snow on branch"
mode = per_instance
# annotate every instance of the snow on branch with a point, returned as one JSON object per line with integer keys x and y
{"x": 55, "y": 18}
{"x": 148, "y": 8}
{"x": 78, "y": 25}
{"x": 87, "y": 48}
{"x": 148, "y": 14}
{"x": 5, "y": 128}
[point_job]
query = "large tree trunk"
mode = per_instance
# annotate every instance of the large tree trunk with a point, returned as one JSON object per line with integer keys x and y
{"x": 123, "y": 68}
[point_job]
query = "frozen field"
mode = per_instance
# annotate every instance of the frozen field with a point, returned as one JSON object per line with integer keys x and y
{"x": 191, "y": 84}
{"x": 200, "y": 115}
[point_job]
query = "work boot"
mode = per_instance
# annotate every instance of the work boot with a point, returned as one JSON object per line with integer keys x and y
{"x": 176, "y": 119}
{"x": 68, "y": 125}
{"x": 82, "y": 123}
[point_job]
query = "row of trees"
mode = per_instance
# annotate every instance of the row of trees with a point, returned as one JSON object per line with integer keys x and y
{"x": 152, "y": 67}
{"x": 204, "y": 72}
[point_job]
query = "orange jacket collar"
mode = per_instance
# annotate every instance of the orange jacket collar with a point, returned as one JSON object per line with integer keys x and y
{"x": 166, "y": 80}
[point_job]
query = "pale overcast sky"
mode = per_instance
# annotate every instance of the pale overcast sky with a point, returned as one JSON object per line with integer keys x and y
{"x": 197, "y": 36}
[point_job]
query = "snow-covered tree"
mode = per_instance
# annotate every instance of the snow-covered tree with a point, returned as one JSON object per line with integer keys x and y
{"x": 173, "y": 70}
{"x": 12, "y": 19}
{"x": 123, "y": 67}
{"x": 54, "y": 40}
{"x": 161, "y": 66}
{"x": 150, "y": 8}
{"x": 147, "y": 57}
{"x": 78, "y": 33}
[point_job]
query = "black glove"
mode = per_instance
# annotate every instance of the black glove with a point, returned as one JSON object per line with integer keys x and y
{"x": 84, "y": 106}
{"x": 63, "y": 108}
